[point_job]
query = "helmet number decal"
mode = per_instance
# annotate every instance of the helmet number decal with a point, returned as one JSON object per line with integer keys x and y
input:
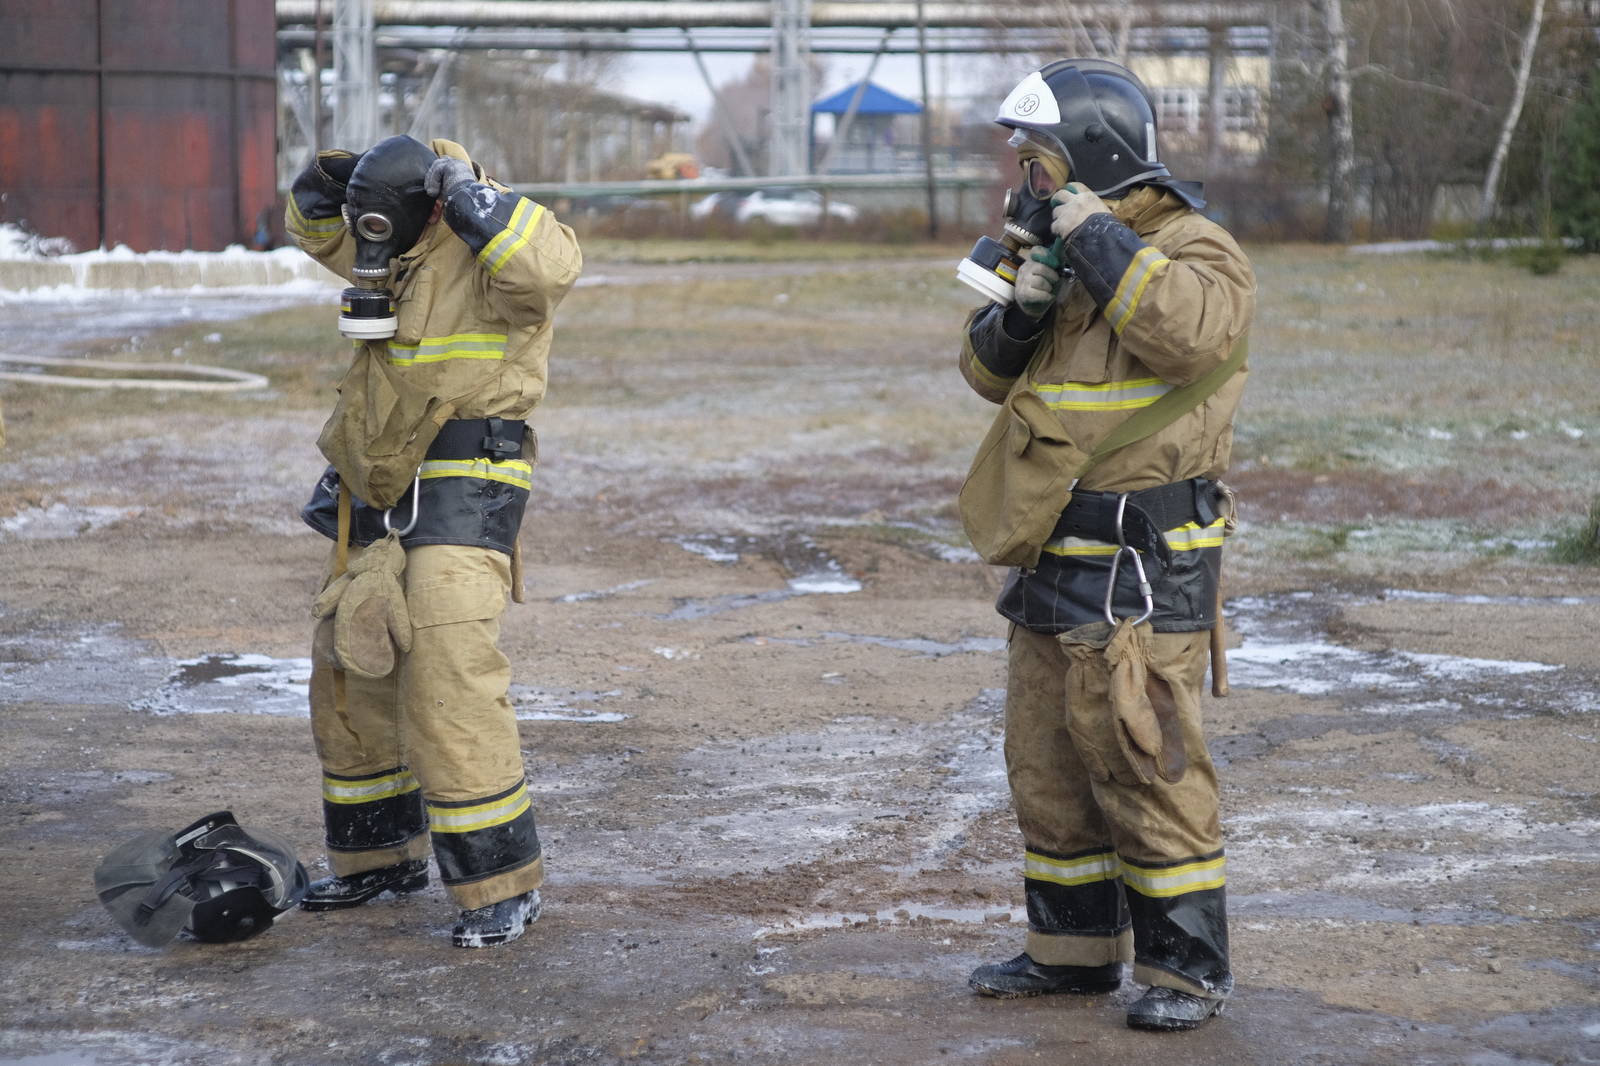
{"x": 1031, "y": 102}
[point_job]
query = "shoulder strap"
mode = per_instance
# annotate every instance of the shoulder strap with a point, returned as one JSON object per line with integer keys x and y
{"x": 1169, "y": 408}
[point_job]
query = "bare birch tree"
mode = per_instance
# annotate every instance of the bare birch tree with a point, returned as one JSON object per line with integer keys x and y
{"x": 1508, "y": 129}
{"x": 1341, "y": 171}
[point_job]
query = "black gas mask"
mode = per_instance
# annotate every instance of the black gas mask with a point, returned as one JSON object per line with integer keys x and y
{"x": 385, "y": 210}
{"x": 991, "y": 267}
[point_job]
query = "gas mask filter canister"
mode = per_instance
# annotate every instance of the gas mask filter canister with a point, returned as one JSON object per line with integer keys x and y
{"x": 386, "y": 209}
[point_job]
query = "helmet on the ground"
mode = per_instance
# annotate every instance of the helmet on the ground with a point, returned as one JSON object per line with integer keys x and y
{"x": 1097, "y": 114}
{"x": 216, "y": 879}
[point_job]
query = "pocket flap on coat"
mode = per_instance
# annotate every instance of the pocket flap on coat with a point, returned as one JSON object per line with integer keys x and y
{"x": 471, "y": 600}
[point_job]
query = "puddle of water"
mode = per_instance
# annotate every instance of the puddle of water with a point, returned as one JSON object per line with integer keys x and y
{"x": 828, "y": 582}
{"x": 1283, "y": 648}
{"x": 690, "y": 610}
{"x": 767, "y": 802}
{"x": 93, "y": 666}
{"x": 901, "y": 914}
{"x": 1333, "y": 907}
{"x": 934, "y": 648}
{"x": 59, "y": 521}
{"x": 23, "y": 1047}
{"x": 602, "y": 594}
{"x": 814, "y": 573}
{"x": 535, "y": 704}
{"x": 718, "y": 549}
{"x": 1479, "y": 600}
{"x": 234, "y": 684}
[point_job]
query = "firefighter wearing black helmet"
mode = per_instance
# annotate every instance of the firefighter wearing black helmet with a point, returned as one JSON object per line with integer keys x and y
{"x": 1124, "y": 858}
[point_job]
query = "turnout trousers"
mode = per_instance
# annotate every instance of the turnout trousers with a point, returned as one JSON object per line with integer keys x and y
{"x": 431, "y": 751}
{"x": 1117, "y": 872}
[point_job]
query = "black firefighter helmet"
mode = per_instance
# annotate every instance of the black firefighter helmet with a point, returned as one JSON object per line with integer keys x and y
{"x": 1101, "y": 118}
{"x": 216, "y": 879}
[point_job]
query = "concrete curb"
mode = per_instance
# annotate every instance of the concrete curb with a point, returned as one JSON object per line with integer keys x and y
{"x": 177, "y": 272}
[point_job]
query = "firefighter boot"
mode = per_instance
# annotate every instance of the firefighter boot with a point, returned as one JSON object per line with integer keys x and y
{"x": 498, "y": 923}
{"x": 1023, "y": 977}
{"x": 1169, "y": 1010}
{"x": 338, "y": 893}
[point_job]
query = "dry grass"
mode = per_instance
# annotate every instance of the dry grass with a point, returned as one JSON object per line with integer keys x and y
{"x": 1407, "y": 405}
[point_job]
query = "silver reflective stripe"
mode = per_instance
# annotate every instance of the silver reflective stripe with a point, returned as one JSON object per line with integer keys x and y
{"x": 1111, "y": 396}
{"x": 368, "y": 790}
{"x": 478, "y": 816}
{"x": 1174, "y": 880}
{"x": 1080, "y": 871}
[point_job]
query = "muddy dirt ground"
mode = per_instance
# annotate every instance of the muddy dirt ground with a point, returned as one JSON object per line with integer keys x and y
{"x": 760, "y": 681}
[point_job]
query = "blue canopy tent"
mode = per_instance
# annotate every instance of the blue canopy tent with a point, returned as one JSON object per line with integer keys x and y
{"x": 871, "y": 126}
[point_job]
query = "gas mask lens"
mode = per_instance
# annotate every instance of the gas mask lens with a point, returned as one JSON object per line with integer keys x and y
{"x": 369, "y": 225}
{"x": 1040, "y": 181}
{"x": 374, "y": 227}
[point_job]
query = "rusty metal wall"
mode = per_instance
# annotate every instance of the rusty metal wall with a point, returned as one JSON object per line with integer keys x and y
{"x": 149, "y": 123}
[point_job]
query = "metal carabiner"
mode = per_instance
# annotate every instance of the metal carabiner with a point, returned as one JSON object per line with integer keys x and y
{"x": 1138, "y": 568}
{"x": 416, "y": 494}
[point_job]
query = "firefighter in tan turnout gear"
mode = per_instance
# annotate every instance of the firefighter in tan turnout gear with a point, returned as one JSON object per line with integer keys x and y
{"x": 1118, "y": 364}
{"x": 431, "y": 466}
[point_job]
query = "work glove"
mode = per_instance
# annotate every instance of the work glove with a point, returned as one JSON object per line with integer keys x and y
{"x": 368, "y": 605}
{"x": 1038, "y": 282}
{"x": 1123, "y": 719}
{"x": 1071, "y": 206}
{"x": 336, "y": 165}
{"x": 446, "y": 175}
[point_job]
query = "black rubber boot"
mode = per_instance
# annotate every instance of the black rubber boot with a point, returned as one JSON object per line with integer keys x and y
{"x": 498, "y": 923}
{"x": 338, "y": 893}
{"x": 1024, "y": 977}
{"x": 1169, "y": 1010}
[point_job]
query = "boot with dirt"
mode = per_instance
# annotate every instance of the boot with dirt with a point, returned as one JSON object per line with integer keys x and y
{"x": 338, "y": 893}
{"x": 1171, "y": 1010}
{"x": 498, "y": 923}
{"x": 1023, "y": 977}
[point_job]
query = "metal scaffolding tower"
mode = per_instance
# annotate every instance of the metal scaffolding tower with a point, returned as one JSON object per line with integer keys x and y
{"x": 789, "y": 151}
{"x": 355, "y": 75}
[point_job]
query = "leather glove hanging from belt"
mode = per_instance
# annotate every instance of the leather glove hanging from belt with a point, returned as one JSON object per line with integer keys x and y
{"x": 368, "y": 605}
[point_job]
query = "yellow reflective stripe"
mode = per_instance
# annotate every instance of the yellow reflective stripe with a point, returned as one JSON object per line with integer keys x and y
{"x": 1162, "y": 881}
{"x": 1191, "y": 536}
{"x": 451, "y": 346}
{"x": 1187, "y": 537}
{"x": 987, "y": 378}
{"x": 1110, "y": 396}
{"x": 507, "y": 234}
{"x": 1080, "y": 871}
{"x": 518, "y": 472}
{"x": 336, "y": 790}
{"x": 321, "y": 227}
{"x": 1079, "y": 546}
{"x": 1131, "y": 288}
{"x": 513, "y": 237}
{"x": 479, "y": 816}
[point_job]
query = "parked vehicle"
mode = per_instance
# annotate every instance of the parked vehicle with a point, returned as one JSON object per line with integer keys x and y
{"x": 718, "y": 205}
{"x": 792, "y": 207}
